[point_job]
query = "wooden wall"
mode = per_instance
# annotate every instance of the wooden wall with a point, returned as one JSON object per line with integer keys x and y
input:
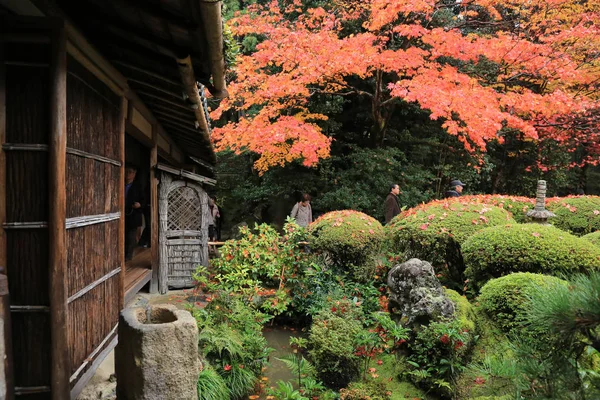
{"x": 27, "y": 91}
{"x": 62, "y": 192}
{"x": 93, "y": 186}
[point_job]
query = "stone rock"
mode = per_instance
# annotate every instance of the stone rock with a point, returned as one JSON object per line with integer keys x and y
{"x": 157, "y": 355}
{"x": 417, "y": 294}
{"x": 105, "y": 390}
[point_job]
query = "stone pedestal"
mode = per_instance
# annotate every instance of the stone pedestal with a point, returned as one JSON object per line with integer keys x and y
{"x": 157, "y": 354}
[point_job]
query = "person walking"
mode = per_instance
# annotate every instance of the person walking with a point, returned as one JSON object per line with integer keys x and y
{"x": 391, "y": 206}
{"x": 302, "y": 212}
{"x": 455, "y": 189}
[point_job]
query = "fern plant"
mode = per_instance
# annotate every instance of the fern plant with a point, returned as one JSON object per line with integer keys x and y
{"x": 285, "y": 391}
{"x": 220, "y": 341}
{"x": 211, "y": 385}
{"x": 239, "y": 380}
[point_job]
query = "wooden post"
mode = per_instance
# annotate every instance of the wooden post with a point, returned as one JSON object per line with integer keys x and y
{"x": 163, "y": 203}
{"x": 123, "y": 116}
{"x": 2, "y": 159}
{"x": 154, "y": 210}
{"x": 57, "y": 153}
{"x": 7, "y": 376}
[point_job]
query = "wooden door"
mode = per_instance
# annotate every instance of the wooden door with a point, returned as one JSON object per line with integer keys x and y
{"x": 183, "y": 215}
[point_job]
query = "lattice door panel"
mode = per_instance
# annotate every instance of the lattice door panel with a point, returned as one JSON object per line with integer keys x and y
{"x": 185, "y": 210}
{"x": 183, "y": 218}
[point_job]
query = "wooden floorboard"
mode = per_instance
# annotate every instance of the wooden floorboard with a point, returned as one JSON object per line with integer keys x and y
{"x": 138, "y": 272}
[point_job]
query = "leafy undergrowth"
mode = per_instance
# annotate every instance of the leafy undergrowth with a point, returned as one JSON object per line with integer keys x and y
{"x": 491, "y": 361}
{"x": 389, "y": 372}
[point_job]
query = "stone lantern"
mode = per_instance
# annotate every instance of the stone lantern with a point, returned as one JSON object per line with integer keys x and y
{"x": 539, "y": 214}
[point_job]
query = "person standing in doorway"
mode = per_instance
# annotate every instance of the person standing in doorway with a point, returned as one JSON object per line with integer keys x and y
{"x": 455, "y": 189}
{"x": 391, "y": 205}
{"x": 214, "y": 221}
{"x": 134, "y": 199}
{"x": 302, "y": 212}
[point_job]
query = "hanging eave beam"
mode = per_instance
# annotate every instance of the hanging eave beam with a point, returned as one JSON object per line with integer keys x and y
{"x": 210, "y": 11}
{"x": 188, "y": 80}
{"x": 186, "y": 174}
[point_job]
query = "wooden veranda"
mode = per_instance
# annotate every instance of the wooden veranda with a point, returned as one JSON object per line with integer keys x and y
{"x": 76, "y": 77}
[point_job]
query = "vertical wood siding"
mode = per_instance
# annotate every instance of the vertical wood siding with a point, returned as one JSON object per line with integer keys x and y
{"x": 92, "y": 189}
{"x": 27, "y": 121}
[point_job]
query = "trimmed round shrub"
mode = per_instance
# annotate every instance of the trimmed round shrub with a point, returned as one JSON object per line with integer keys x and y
{"x": 593, "y": 237}
{"x": 436, "y": 230}
{"x": 351, "y": 238}
{"x": 500, "y": 250}
{"x": 577, "y": 215}
{"x": 517, "y": 206}
{"x": 504, "y": 299}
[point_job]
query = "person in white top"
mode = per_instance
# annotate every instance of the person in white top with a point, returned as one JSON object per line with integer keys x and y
{"x": 213, "y": 219}
{"x": 302, "y": 212}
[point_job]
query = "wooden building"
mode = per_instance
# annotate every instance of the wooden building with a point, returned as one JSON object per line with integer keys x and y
{"x": 86, "y": 86}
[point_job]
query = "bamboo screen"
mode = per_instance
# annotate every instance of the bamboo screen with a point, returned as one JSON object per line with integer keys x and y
{"x": 93, "y": 254}
{"x": 27, "y": 129}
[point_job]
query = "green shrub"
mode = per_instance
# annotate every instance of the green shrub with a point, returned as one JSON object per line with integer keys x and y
{"x": 437, "y": 354}
{"x": 435, "y": 231}
{"x": 463, "y": 311}
{"x": 390, "y": 368}
{"x": 517, "y": 206}
{"x": 500, "y": 250}
{"x": 492, "y": 370}
{"x": 351, "y": 238}
{"x": 332, "y": 339}
{"x": 593, "y": 237}
{"x": 211, "y": 386}
{"x": 504, "y": 299}
{"x": 577, "y": 215}
{"x": 257, "y": 258}
{"x": 231, "y": 340}
{"x": 257, "y": 265}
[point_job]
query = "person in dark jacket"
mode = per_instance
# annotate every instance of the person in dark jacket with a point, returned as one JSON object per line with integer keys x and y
{"x": 134, "y": 198}
{"x": 392, "y": 205}
{"x": 456, "y": 188}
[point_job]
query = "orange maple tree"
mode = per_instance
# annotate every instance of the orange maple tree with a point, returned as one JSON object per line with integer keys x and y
{"x": 479, "y": 66}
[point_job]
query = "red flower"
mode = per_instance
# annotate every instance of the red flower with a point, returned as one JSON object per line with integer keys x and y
{"x": 379, "y": 362}
{"x": 458, "y": 345}
{"x": 333, "y": 309}
{"x": 227, "y": 367}
{"x": 445, "y": 339}
{"x": 479, "y": 381}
